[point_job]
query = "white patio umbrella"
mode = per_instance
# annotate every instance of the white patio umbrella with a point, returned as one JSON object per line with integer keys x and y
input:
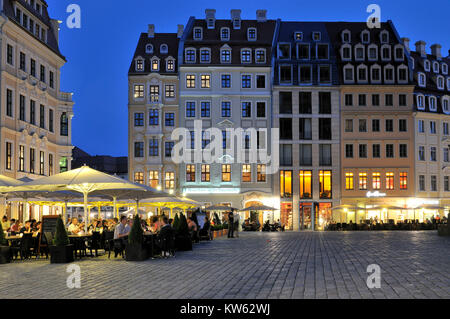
{"x": 84, "y": 180}
{"x": 6, "y": 183}
{"x": 171, "y": 203}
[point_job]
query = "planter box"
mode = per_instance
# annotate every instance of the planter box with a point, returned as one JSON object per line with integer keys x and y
{"x": 5, "y": 255}
{"x": 136, "y": 253}
{"x": 61, "y": 255}
{"x": 444, "y": 230}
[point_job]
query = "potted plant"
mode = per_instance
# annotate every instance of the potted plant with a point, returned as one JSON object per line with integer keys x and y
{"x": 444, "y": 230}
{"x": 61, "y": 252}
{"x": 5, "y": 250}
{"x": 135, "y": 250}
{"x": 183, "y": 240}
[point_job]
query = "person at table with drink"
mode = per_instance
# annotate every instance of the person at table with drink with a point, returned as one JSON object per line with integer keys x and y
{"x": 27, "y": 228}
{"x": 74, "y": 227}
{"x": 123, "y": 229}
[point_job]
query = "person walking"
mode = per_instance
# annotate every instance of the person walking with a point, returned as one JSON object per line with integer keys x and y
{"x": 230, "y": 225}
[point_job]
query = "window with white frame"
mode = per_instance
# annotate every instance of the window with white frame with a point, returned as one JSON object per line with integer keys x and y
{"x": 372, "y": 52}
{"x": 399, "y": 53}
{"x": 164, "y": 49}
{"x": 421, "y": 79}
{"x": 284, "y": 51}
{"x": 225, "y": 55}
{"x": 260, "y": 56}
{"x": 205, "y": 55}
{"x": 375, "y": 73}
{"x": 149, "y": 49}
{"x": 448, "y": 83}
{"x": 436, "y": 67}
{"x": 384, "y": 36}
{"x": 246, "y": 56}
{"x": 198, "y": 33}
{"x": 365, "y": 36}
{"x": 444, "y": 68}
{"x": 445, "y": 129}
{"x": 402, "y": 74}
{"x": 348, "y": 73}
{"x": 433, "y": 104}
{"x": 427, "y": 65}
{"x": 190, "y": 55}
{"x": 389, "y": 74}
{"x": 225, "y": 34}
{"x": 346, "y": 36}
{"x": 445, "y": 105}
{"x": 346, "y": 52}
{"x": 139, "y": 65}
{"x": 359, "y": 52}
{"x": 362, "y": 73}
{"x": 170, "y": 65}
{"x": 385, "y": 52}
{"x": 155, "y": 64}
{"x": 420, "y": 102}
{"x": 440, "y": 82}
{"x": 251, "y": 34}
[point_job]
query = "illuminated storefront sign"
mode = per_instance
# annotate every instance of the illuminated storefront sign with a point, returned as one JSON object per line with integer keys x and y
{"x": 375, "y": 194}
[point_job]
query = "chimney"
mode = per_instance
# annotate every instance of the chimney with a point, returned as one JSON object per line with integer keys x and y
{"x": 55, "y": 27}
{"x": 436, "y": 51}
{"x": 406, "y": 43}
{"x": 151, "y": 30}
{"x": 261, "y": 15}
{"x": 421, "y": 48}
{"x": 236, "y": 18}
{"x": 180, "y": 30}
{"x": 210, "y": 18}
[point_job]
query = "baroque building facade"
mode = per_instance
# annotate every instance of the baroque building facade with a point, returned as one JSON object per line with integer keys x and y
{"x": 35, "y": 122}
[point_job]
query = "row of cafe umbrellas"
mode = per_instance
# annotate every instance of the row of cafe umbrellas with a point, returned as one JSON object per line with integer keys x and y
{"x": 84, "y": 182}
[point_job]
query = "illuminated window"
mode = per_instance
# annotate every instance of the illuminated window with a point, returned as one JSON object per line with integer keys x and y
{"x": 261, "y": 170}
{"x": 403, "y": 180}
{"x": 325, "y": 183}
{"x": 206, "y": 173}
{"x": 363, "y": 181}
{"x": 170, "y": 180}
{"x": 139, "y": 177}
{"x": 154, "y": 93}
{"x": 190, "y": 81}
{"x": 190, "y": 173}
{"x": 306, "y": 184}
{"x": 226, "y": 173}
{"x": 138, "y": 91}
{"x": 41, "y": 163}
{"x": 140, "y": 65}
{"x": 170, "y": 65}
{"x": 50, "y": 164}
{"x": 170, "y": 91}
{"x": 8, "y": 156}
{"x": 349, "y": 181}
{"x": 155, "y": 65}
{"x": 33, "y": 160}
{"x": 376, "y": 181}
{"x": 389, "y": 181}
{"x": 246, "y": 173}
{"x": 21, "y": 158}
{"x": 286, "y": 184}
{"x": 153, "y": 178}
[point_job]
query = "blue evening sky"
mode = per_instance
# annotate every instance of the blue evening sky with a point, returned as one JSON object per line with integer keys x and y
{"x": 99, "y": 54}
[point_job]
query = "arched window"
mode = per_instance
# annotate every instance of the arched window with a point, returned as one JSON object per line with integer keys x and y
{"x": 149, "y": 48}
{"x": 164, "y": 49}
{"x": 64, "y": 124}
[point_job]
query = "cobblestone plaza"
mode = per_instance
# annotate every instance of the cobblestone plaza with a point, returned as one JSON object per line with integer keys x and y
{"x": 289, "y": 265}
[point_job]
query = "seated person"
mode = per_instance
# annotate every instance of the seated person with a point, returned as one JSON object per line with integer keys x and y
{"x": 27, "y": 228}
{"x": 206, "y": 227}
{"x": 74, "y": 227}
{"x": 165, "y": 237}
{"x": 14, "y": 226}
{"x": 123, "y": 229}
{"x": 192, "y": 226}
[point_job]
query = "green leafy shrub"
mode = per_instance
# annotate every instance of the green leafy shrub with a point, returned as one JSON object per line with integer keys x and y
{"x": 183, "y": 226}
{"x": 176, "y": 222}
{"x": 136, "y": 236}
{"x": 61, "y": 237}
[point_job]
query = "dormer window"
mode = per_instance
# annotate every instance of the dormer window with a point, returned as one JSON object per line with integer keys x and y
{"x": 444, "y": 68}
{"x": 349, "y": 73}
{"x": 346, "y": 52}
{"x": 362, "y": 73}
{"x": 402, "y": 74}
{"x": 164, "y": 49}
{"x": 384, "y": 36}
{"x": 375, "y": 74}
{"x": 440, "y": 82}
{"x": 427, "y": 65}
{"x": 373, "y": 52}
{"x": 139, "y": 65}
{"x": 205, "y": 55}
{"x": 389, "y": 74}
{"x": 317, "y": 36}
{"x": 246, "y": 56}
{"x": 422, "y": 80}
{"x": 225, "y": 34}
{"x": 445, "y": 105}
{"x": 448, "y": 83}
{"x": 155, "y": 64}
{"x": 251, "y": 34}
{"x": 260, "y": 55}
{"x": 225, "y": 55}
{"x": 365, "y": 37}
{"x": 359, "y": 53}
{"x": 298, "y": 36}
{"x": 170, "y": 65}
{"x": 399, "y": 53}
{"x": 149, "y": 49}
{"x": 198, "y": 33}
{"x": 421, "y": 102}
{"x": 190, "y": 55}
{"x": 346, "y": 35}
{"x": 435, "y": 67}
{"x": 236, "y": 23}
{"x": 385, "y": 53}
{"x": 433, "y": 104}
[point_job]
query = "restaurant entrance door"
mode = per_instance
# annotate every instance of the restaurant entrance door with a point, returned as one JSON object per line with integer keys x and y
{"x": 306, "y": 216}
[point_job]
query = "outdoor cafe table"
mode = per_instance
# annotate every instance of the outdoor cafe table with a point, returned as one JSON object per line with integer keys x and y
{"x": 78, "y": 241}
